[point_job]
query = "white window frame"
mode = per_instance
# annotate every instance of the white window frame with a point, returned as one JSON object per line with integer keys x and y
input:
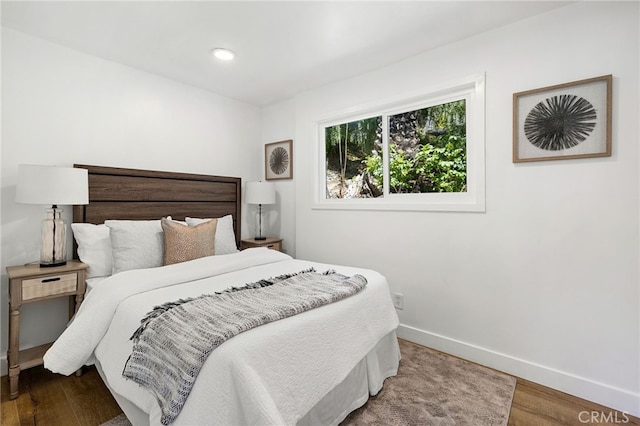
{"x": 471, "y": 89}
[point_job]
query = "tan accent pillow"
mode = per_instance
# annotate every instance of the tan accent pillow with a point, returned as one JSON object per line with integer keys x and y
{"x": 182, "y": 242}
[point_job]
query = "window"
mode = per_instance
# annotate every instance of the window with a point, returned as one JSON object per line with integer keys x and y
{"x": 349, "y": 148}
{"x": 422, "y": 153}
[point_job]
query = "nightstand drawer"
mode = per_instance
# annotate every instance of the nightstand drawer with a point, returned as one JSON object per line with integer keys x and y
{"x": 274, "y": 246}
{"x": 49, "y": 286}
{"x": 269, "y": 242}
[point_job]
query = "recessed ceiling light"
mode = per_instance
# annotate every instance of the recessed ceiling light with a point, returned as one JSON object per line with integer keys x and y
{"x": 223, "y": 54}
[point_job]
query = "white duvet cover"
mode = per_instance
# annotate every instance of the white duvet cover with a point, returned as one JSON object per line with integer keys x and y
{"x": 272, "y": 374}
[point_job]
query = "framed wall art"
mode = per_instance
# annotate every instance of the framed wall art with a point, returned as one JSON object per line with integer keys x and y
{"x": 571, "y": 120}
{"x": 278, "y": 159}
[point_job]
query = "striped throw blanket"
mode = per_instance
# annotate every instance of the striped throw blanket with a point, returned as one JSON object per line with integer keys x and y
{"x": 175, "y": 339}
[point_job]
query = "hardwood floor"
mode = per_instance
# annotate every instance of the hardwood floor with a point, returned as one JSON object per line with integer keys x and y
{"x": 538, "y": 405}
{"x": 50, "y": 399}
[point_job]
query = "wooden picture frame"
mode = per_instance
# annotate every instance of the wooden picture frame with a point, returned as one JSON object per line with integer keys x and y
{"x": 278, "y": 160}
{"x": 565, "y": 121}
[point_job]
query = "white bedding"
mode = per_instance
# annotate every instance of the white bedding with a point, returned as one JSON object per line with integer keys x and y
{"x": 93, "y": 282}
{"x": 273, "y": 374}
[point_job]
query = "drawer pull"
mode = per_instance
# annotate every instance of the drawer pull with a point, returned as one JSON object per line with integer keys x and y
{"x": 270, "y": 246}
{"x": 50, "y": 280}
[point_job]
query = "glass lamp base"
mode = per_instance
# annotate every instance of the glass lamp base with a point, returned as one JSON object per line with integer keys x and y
{"x": 53, "y": 244}
{"x": 260, "y": 236}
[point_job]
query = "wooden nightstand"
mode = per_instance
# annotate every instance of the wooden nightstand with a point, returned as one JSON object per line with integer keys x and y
{"x": 31, "y": 283}
{"x": 270, "y": 242}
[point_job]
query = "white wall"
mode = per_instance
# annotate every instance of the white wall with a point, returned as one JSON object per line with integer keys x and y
{"x": 278, "y": 124}
{"x": 61, "y": 107}
{"x": 545, "y": 284}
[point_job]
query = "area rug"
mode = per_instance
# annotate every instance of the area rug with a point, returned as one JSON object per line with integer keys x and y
{"x": 431, "y": 389}
{"x": 121, "y": 420}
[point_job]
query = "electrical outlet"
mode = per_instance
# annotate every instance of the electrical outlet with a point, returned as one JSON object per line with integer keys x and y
{"x": 398, "y": 301}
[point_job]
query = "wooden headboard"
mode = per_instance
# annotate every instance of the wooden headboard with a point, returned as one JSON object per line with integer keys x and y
{"x": 130, "y": 194}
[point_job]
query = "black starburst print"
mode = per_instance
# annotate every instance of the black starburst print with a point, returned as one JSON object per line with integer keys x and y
{"x": 279, "y": 160}
{"x": 560, "y": 122}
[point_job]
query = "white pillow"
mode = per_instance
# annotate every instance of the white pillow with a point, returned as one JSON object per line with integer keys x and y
{"x": 225, "y": 240}
{"x": 136, "y": 244}
{"x": 181, "y": 222}
{"x": 94, "y": 248}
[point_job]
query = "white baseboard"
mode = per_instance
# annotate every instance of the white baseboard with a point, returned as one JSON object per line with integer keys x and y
{"x": 601, "y": 393}
{"x": 4, "y": 368}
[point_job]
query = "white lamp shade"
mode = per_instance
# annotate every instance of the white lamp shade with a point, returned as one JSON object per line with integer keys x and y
{"x": 260, "y": 193}
{"x": 52, "y": 185}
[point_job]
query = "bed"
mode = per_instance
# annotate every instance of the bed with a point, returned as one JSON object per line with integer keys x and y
{"x": 311, "y": 368}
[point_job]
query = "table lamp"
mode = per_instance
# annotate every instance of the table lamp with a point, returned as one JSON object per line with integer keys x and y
{"x": 53, "y": 186}
{"x": 260, "y": 193}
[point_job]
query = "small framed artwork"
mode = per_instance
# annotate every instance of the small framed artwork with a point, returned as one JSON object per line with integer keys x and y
{"x": 278, "y": 160}
{"x": 571, "y": 120}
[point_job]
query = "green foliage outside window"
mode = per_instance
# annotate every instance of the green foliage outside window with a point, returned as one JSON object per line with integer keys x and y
{"x": 433, "y": 169}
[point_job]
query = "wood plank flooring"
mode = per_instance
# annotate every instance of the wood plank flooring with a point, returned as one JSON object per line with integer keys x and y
{"x": 51, "y": 399}
{"x": 537, "y": 405}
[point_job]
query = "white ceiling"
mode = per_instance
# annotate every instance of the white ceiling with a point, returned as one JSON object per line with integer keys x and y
{"x": 282, "y": 48}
